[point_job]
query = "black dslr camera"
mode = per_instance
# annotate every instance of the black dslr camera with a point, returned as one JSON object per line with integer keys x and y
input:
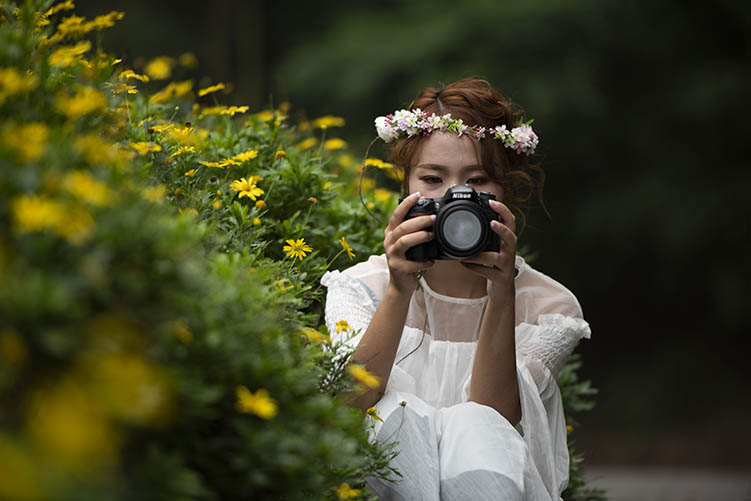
{"x": 462, "y": 225}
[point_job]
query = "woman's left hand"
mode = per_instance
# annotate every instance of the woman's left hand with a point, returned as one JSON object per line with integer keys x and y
{"x": 498, "y": 267}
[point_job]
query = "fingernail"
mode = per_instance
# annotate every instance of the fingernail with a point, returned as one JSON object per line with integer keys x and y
{"x": 432, "y": 218}
{"x": 416, "y": 194}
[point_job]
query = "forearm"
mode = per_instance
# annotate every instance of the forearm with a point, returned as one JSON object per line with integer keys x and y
{"x": 378, "y": 346}
{"x": 494, "y": 381}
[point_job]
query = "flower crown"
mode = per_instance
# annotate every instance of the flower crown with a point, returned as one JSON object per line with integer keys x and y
{"x": 407, "y": 123}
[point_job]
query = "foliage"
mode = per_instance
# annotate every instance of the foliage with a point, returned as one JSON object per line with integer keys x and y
{"x": 160, "y": 320}
{"x": 147, "y": 352}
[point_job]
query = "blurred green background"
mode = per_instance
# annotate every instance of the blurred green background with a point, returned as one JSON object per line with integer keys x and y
{"x": 642, "y": 111}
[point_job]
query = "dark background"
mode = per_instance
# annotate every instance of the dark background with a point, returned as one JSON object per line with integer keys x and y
{"x": 642, "y": 109}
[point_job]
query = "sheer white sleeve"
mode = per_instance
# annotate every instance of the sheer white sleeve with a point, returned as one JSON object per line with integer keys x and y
{"x": 347, "y": 299}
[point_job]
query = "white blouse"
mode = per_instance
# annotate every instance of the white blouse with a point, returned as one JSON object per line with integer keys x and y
{"x": 439, "y": 341}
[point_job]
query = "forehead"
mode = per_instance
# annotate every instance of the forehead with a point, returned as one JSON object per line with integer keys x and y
{"x": 447, "y": 148}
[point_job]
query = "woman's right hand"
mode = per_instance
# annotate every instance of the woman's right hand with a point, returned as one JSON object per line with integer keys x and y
{"x": 401, "y": 235}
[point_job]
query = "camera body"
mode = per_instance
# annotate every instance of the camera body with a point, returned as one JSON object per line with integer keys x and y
{"x": 462, "y": 225}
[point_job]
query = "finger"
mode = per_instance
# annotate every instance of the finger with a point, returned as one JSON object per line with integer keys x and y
{"x": 507, "y": 216}
{"x": 411, "y": 226}
{"x": 408, "y": 241}
{"x": 487, "y": 259}
{"x": 507, "y": 235}
{"x": 492, "y": 274}
{"x": 402, "y": 210}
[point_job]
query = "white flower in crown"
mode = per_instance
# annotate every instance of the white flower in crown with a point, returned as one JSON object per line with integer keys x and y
{"x": 385, "y": 130}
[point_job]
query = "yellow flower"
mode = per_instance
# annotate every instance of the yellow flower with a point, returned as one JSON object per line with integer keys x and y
{"x": 186, "y": 136}
{"x": 67, "y": 5}
{"x": 280, "y": 154}
{"x": 228, "y": 161}
{"x": 362, "y": 375}
{"x": 174, "y": 90}
{"x": 247, "y": 188}
{"x": 211, "y": 164}
{"x": 188, "y": 60}
{"x": 313, "y": 200}
{"x": 328, "y": 121}
{"x": 12, "y": 82}
{"x": 154, "y": 193}
{"x": 260, "y": 204}
{"x": 84, "y": 186}
{"x": 191, "y": 173}
{"x": 37, "y": 213}
{"x": 29, "y": 141}
{"x": 244, "y": 157}
{"x": 344, "y": 491}
{"x": 569, "y": 429}
{"x": 216, "y": 204}
{"x": 124, "y": 87}
{"x": 209, "y": 90}
{"x": 347, "y": 248}
{"x": 180, "y": 330}
{"x": 65, "y": 56}
{"x": 190, "y": 211}
{"x": 308, "y": 143}
{"x": 342, "y": 325}
{"x": 223, "y": 110}
{"x": 373, "y": 412}
{"x": 160, "y": 68}
{"x": 86, "y": 100}
{"x": 259, "y": 403}
{"x": 297, "y": 249}
{"x": 314, "y": 335}
{"x": 183, "y": 149}
{"x": 235, "y": 109}
{"x": 265, "y": 115}
{"x": 334, "y": 144}
{"x": 106, "y": 21}
{"x": 130, "y": 74}
{"x": 382, "y": 195}
{"x": 144, "y": 148}
{"x": 256, "y": 221}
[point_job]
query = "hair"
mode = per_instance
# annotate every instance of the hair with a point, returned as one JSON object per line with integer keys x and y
{"x": 476, "y": 102}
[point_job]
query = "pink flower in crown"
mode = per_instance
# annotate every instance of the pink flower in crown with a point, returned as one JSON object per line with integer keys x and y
{"x": 500, "y": 132}
{"x": 479, "y": 132}
{"x": 524, "y": 139}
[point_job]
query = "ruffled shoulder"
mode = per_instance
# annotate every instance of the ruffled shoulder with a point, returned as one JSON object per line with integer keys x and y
{"x": 570, "y": 326}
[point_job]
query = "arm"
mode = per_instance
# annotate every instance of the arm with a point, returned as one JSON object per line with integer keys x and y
{"x": 378, "y": 346}
{"x": 494, "y": 380}
{"x": 494, "y": 377}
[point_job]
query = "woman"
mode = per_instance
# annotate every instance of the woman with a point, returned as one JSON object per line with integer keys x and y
{"x": 466, "y": 351}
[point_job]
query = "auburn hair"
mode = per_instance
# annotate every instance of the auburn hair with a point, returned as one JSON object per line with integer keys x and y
{"x": 477, "y": 103}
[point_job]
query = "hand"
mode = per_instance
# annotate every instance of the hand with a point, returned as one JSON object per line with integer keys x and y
{"x": 498, "y": 267}
{"x": 401, "y": 235}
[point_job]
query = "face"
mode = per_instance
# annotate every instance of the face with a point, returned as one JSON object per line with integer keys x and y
{"x": 446, "y": 159}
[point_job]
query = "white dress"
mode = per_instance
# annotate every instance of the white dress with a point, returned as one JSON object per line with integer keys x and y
{"x": 450, "y": 448}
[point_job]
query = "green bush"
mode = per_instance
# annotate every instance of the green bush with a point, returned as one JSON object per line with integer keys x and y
{"x": 161, "y": 314}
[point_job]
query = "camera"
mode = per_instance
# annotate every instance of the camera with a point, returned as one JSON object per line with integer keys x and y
{"x": 462, "y": 225}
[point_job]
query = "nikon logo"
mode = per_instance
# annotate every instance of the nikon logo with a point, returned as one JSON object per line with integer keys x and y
{"x": 462, "y": 195}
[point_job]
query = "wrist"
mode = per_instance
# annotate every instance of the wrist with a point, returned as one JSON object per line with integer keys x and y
{"x": 398, "y": 293}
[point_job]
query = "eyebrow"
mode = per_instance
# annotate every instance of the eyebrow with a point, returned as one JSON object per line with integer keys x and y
{"x": 443, "y": 168}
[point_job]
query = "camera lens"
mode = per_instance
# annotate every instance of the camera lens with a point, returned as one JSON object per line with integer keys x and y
{"x": 462, "y": 230}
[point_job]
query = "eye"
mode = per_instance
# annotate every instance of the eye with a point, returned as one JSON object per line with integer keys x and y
{"x": 431, "y": 179}
{"x": 477, "y": 180}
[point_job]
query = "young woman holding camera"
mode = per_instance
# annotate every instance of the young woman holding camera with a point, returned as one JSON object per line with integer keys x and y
{"x": 466, "y": 349}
